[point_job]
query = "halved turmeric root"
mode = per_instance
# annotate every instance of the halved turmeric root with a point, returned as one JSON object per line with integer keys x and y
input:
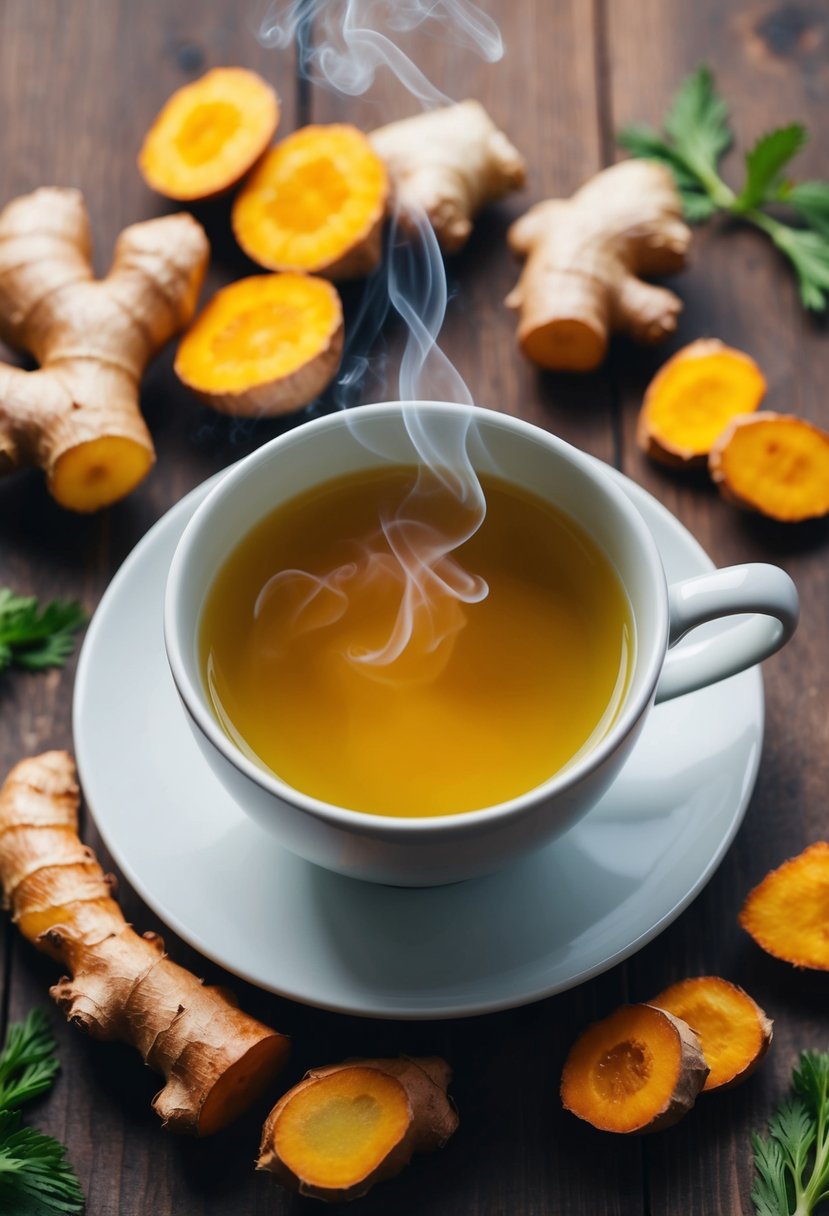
{"x": 734, "y": 1031}
{"x": 264, "y": 345}
{"x": 773, "y": 463}
{"x": 316, "y": 203}
{"x": 348, "y": 1126}
{"x": 788, "y": 913}
{"x": 209, "y": 134}
{"x": 693, "y": 397}
{"x": 638, "y": 1070}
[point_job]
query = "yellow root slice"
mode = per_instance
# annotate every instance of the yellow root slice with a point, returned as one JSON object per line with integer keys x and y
{"x": 264, "y": 345}
{"x": 209, "y": 134}
{"x": 315, "y": 203}
{"x": 776, "y": 464}
{"x": 348, "y": 1126}
{"x": 693, "y": 397}
{"x": 215, "y": 1059}
{"x": 638, "y": 1070}
{"x": 734, "y": 1031}
{"x": 788, "y": 913}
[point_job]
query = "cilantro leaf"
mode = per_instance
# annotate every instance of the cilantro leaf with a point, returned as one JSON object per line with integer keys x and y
{"x": 811, "y": 200}
{"x": 792, "y": 1162}
{"x": 698, "y": 122}
{"x": 643, "y": 142}
{"x": 809, "y": 254}
{"x": 35, "y": 1177}
{"x": 765, "y": 162}
{"x": 28, "y": 1064}
{"x": 35, "y": 638}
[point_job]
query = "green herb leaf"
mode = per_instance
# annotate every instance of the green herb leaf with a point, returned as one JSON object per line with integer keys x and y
{"x": 792, "y": 1162}
{"x": 809, "y": 254}
{"x": 766, "y": 161}
{"x": 698, "y": 122}
{"x": 646, "y": 144}
{"x": 28, "y": 1064}
{"x": 35, "y": 1177}
{"x": 37, "y": 639}
{"x": 811, "y": 200}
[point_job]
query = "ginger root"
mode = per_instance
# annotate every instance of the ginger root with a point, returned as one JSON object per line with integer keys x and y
{"x": 776, "y": 464}
{"x": 639, "y": 1070}
{"x": 77, "y": 417}
{"x": 448, "y": 164}
{"x": 209, "y": 134}
{"x": 693, "y": 397}
{"x": 215, "y": 1059}
{"x": 788, "y": 912}
{"x": 584, "y": 258}
{"x": 315, "y": 203}
{"x": 264, "y": 345}
{"x": 734, "y": 1031}
{"x": 345, "y": 1127}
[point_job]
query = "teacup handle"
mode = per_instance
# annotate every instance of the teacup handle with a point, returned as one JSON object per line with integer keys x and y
{"x": 734, "y": 590}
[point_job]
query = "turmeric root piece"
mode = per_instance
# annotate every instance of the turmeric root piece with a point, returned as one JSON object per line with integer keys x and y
{"x": 776, "y": 464}
{"x": 693, "y": 397}
{"x": 264, "y": 345}
{"x": 215, "y": 1059}
{"x": 348, "y": 1126}
{"x": 734, "y": 1032}
{"x": 584, "y": 258}
{"x": 788, "y": 912}
{"x": 209, "y": 134}
{"x": 77, "y": 417}
{"x": 448, "y": 164}
{"x": 315, "y": 203}
{"x": 638, "y": 1070}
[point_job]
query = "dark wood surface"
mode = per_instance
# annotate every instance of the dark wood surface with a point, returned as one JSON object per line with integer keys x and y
{"x": 79, "y": 85}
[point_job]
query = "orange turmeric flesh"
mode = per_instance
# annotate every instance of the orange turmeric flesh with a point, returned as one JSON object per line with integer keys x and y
{"x": 734, "y": 1031}
{"x": 209, "y": 134}
{"x": 788, "y": 913}
{"x": 639, "y": 1070}
{"x": 693, "y": 397}
{"x": 776, "y": 464}
{"x": 316, "y": 203}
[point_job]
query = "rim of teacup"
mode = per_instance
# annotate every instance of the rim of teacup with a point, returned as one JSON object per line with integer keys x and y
{"x": 193, "y": 696}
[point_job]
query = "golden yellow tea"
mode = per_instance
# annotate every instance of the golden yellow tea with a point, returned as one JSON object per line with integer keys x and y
{"x": 367, "y": 666}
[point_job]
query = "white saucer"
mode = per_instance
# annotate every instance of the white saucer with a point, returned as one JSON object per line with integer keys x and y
{"x": 567, "y": 913}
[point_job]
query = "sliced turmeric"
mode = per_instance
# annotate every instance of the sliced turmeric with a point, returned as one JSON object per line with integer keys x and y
{"x": 734, "y": 1031}
{"x": 693, "y": 397}
{"x": 345, "y": 1127}
{"x": 209, "y": 134}
{"x": 264, "y": 345}
{"x": 776, "y": 464}
{"x": 788, "y": 913}
{"x": 315, "y": 203}
{"x": 638, "y": 1070}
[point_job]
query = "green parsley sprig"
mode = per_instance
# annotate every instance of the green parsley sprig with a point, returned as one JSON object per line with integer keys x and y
{"x": 792, "y": 1162}
{"x": 36, "y": 638}
{"x": 696, "y": 134}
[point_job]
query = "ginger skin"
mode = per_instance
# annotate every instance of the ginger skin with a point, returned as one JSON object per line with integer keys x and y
{"x": 78, "y": 416}
{"x": 584, "y": 258}
{"x": 215, "y": 1059}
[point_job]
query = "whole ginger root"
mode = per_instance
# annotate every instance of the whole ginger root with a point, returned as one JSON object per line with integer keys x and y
{"x": 77, "y": 417}
{"x": 584, "y": 258}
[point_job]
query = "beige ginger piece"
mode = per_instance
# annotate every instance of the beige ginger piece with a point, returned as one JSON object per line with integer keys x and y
{"x": 584, "y": 258}
{"x": 77, "y": 417}
{"x": 215, "y": 1059}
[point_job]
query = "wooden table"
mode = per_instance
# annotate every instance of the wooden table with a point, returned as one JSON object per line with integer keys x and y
{"x": 79, "y": 85}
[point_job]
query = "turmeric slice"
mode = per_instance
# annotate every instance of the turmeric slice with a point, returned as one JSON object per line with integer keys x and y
{"x": 787, "y": 914}
{"x": 638, "y": 1070}
{"x": 209, "y": 134}
{"x": 316, "y": 203}
{"x": 776, "y": 464}
{"x": 345, "y": 1127}
{"x": 734, "y": 1031}
{"x": 693, "y": 397}
{"x": 264, "y": 345}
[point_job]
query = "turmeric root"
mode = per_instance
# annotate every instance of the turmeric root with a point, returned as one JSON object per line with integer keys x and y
{"x": 638, "y": 1070}
{"x": 584, "y": 258}
{"x": 693, "y": 397}
{"x": 788, "y": 912}
{"x": 315, "y": 203}
{"x": 448, "y": 164}
{"x": 215, "y": 1059}
{"x": 348, "y": 1126}
{"x": 734, "y": 1031}
{"x": 77, "y": 417}
{"x": 264, "y": 345}
{"x": 776, "y": 464}
{"x": 209, "y": 134}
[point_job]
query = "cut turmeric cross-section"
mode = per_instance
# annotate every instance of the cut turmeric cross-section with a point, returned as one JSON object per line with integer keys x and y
{"x": 315, "y": 203}
{"x": 774, "y": 463}
{"x": 788, "y": 913}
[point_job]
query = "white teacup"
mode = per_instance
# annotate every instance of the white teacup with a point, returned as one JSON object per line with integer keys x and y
{"x": 429, "y": 851}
